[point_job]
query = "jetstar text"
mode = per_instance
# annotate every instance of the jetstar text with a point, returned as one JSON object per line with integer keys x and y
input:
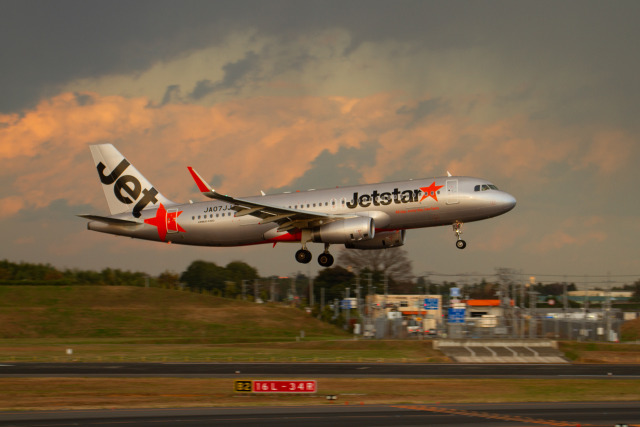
{"x": 386, "y": 198}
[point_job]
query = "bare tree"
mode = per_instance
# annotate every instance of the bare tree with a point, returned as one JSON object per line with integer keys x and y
{"x": 392, "y": 262}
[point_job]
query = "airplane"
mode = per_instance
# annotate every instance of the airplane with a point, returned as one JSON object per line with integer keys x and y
{"x": 371, "y": 216}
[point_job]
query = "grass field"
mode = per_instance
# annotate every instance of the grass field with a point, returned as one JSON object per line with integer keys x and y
{"x": 111, "y": 323}
{"x": 40, "y": 323}
{"x": 148, "y": 314}
{"x": 84, "y": 393}
{"x": 109, "y": 350}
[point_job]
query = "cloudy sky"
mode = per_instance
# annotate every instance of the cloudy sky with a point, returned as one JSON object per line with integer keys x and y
{"x": 541, "y": 98}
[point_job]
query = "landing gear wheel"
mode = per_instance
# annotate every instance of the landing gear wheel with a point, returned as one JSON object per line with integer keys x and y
{"x": 303, "y": 256}
{"x": 461, "y": 244}
{"x": 325, "y": 259}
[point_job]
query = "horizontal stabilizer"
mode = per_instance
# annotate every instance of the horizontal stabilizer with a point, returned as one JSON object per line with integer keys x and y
{"x": 110, "y": 220}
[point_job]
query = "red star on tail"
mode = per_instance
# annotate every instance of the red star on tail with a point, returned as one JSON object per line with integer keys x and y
{"x": 431, "y": 191}
{"x": 165, "y": 222}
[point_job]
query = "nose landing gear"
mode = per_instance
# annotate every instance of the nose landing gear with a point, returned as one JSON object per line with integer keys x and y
{"x": 457, "y": 228}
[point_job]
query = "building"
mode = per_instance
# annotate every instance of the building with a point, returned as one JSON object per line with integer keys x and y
{"x": 410, "y": 308}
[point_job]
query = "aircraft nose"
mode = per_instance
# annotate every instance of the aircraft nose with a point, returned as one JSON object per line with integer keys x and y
{"x": 506, "y": 201}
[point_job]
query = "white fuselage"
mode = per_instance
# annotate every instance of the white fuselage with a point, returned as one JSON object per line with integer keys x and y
{"x": 392, "y": 206}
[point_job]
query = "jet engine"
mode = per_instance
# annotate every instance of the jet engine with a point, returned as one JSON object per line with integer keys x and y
{"x": 382, "y": 240}
{"x": 349, "y": 230}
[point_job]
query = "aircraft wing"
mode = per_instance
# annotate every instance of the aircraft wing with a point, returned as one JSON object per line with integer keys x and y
{"x": 287, "y": 219}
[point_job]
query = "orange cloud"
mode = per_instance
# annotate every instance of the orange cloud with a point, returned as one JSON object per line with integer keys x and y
{"x": 10, "y": 206}
{"x": 609, "y": 152}
{"x": 573, "y": 231}
{"x": 264, "y": 142}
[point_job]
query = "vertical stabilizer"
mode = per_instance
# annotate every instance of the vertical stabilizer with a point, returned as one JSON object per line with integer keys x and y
{"x": 126, "y": 189}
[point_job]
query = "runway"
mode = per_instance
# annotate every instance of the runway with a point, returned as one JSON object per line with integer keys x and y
{"x": 337, "y": 413}
{"x": 485, "y": 415}
{"x": 319, "y": 370}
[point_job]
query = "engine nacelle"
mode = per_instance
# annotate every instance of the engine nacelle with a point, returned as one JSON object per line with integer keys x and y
{"x": 382, "y": 240}
{"x": 349, "y": 230}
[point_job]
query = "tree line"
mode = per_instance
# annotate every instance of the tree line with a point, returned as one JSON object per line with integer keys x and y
{"x": 370, "y": 271}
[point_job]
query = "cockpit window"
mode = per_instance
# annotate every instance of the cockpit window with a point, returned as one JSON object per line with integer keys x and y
{"x": 485, "y": 187}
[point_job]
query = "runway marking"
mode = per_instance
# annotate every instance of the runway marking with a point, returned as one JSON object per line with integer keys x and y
{"x": 489, "y": 415}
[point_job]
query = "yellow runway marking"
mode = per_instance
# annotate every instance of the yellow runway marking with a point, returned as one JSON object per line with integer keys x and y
{"x": 488, "y": 415}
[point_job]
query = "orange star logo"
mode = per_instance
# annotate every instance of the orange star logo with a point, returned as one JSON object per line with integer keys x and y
{"x": 431, "y": 191}
{"x": 165, "y": 221}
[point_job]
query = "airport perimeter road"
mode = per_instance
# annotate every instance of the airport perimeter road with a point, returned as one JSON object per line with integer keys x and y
{"x": 486, "y": 415}
{"x": 358, "y": 370}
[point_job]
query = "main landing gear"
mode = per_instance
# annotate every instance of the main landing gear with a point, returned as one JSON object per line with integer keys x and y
{"x": 325, "y": 259}
{"x": 303, "y": 256}
{"x": 457, "y": 228}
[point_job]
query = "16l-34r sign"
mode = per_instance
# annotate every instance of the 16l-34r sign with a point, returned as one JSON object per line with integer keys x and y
{"x": 276, "y": 386}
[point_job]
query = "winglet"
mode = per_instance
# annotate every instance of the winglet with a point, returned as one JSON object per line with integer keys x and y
{"x": 206, "y": 189}
{"x": 202, "y": 185}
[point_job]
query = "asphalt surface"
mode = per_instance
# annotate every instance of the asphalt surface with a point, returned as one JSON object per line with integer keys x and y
{"x": 292, "y": 370}
{"x": 337, "y": 413}
{"x": 486, "y": 415}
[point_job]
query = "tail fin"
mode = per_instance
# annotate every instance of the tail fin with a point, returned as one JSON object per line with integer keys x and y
{"x": 125, "y": 192}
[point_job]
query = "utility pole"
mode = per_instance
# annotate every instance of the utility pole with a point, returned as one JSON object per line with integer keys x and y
{"x": 565, "y": 306}
{"x": 244, "y": 290}
{"x": 585, "y": 310}
{"x": 348, "y": 308}
{"x": 607, "y": 311}
{"x": 358, "y": 303}
{"x": 256, "y": 289}
{"x": 386, "y": 289}
{"x": 532, "y": 314}
{"x": 371, "y": 297}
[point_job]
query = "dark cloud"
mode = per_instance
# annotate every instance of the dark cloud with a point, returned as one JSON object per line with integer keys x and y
{"x": 335, "y": 170}
{"x": 171, "y": 95}
{"x": 423, "y": 110}
{"x": 47, "y": 44}
{"x": 234, "y": 74}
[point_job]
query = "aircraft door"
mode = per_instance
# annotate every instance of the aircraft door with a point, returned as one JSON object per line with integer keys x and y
{"x": 172, "y": 221}
{"x": 452, "y": 191}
